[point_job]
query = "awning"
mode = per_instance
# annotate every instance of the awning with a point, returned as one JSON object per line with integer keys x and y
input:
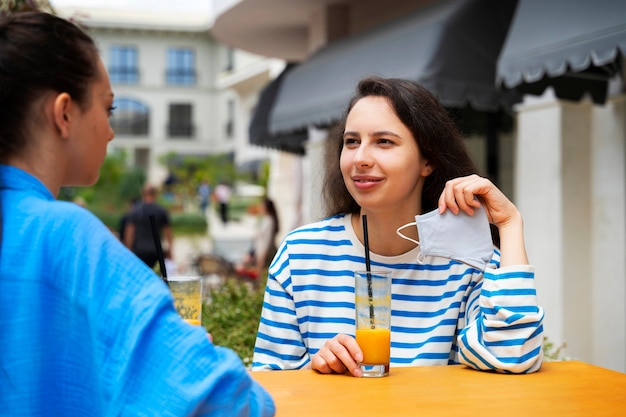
{"x": 259, "y": 134}
{"x": 451, "y": 47}
{"x": 573, "y": 46}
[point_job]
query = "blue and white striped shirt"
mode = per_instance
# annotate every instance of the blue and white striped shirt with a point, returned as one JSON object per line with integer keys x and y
{"x": 442, "y": 311}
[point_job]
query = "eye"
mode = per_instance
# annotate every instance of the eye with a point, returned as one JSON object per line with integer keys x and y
{"x": 386, "y": 142}
{"x": 350, "y": 142}
{"x": 110, "y": 110}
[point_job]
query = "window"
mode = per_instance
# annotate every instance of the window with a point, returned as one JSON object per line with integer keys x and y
{"x": 180, "y": 122}
{"x": 230, "y": 122}
{"x": 230, "y": 59}
{"x": 123, "y": 65}
{"x": 130, "y": 117}
{"x": 181, "y": 66}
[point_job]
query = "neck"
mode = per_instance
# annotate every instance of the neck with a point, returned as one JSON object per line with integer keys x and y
{"x": 382, "y": 236}
{"x": 38, "y": 167}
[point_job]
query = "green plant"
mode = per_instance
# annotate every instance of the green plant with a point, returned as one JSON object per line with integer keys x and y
{"x": 551, "y": 352}
{"x": 232, "y": 316}
{"x": 188, "y": 224}
{"x": 13, "y": 6}
{"x": 111, "y": 219}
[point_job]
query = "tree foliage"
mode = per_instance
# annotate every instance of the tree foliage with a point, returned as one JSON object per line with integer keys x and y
{"x": 13, "y": 6}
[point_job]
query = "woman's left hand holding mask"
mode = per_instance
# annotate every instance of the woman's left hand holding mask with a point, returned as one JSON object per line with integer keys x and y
{"x": 466, "y": 193}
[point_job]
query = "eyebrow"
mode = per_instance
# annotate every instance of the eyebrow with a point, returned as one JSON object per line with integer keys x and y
{"x": 375, "y": 134}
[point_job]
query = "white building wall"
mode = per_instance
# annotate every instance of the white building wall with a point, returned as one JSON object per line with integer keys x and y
{"x": 286, "y": 189}
{"x": 576, "y": 219}
{"x": 152, "y": 90}
{"x": 608, "y": 179}
{"x": 216, "y": 85}
{"x": 538, "y": 197}
{"x": 313, "y": 169}
{"x": 570, "y": 187}
{"x": 243, "y": 83}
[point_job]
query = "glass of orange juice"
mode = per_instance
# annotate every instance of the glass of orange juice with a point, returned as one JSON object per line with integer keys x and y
{"x": 187, "y": 293}
{"x": 373, "y": 321}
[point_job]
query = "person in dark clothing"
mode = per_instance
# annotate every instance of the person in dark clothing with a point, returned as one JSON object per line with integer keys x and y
{"x": 138, "y": 235}
{"x": 124, "y": 219}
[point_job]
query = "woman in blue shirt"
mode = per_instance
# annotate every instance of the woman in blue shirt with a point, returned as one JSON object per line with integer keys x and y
{"x": 86, "y": 328}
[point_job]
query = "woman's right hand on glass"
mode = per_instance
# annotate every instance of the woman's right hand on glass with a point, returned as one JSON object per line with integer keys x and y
{"x": 338, "y": 355}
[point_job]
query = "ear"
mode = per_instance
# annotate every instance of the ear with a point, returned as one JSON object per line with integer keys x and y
{"x": 427, "y": 169}
{"x": 62, "y": 105}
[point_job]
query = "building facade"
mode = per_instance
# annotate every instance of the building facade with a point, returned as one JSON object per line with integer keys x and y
{"x": 177, "y": 89}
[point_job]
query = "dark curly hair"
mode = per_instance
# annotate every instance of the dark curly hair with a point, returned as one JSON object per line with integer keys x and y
{"x": 438, "y": 140}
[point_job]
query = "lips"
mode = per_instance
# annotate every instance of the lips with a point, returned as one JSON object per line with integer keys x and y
{"x": 365, "y": 181}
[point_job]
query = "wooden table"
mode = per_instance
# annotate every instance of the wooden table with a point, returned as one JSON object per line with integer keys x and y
{"x": 568, "y": 388}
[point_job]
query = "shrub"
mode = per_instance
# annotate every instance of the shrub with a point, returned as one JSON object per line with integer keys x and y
{"x": 551, "y": 352}
{"x": 232, "y": 316}
{"x": 109, "y": 218}
{"x": 188, "y": 223}
{"x": 183, "y": 224}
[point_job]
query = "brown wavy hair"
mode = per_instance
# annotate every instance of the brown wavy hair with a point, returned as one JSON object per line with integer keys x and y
{"x": 438, "y": 140}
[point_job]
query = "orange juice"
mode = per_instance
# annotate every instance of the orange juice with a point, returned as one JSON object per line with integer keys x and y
{"x": 375, "y": 344}
{"x": 187, "y": 293}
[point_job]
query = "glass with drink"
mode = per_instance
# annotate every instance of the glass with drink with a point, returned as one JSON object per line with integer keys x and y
{"x": 373, "y": 321}
{"x": 187, "y": 292}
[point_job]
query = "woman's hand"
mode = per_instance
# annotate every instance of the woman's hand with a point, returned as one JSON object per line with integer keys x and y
{"x": 338, "y": 355}
{"x": 460, "y": 194}
{"x": 467, "y": 193}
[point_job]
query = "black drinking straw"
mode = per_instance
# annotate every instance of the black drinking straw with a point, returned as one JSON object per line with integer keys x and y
{"x": 157, "y": 243}
{"x": 368, "y": 268}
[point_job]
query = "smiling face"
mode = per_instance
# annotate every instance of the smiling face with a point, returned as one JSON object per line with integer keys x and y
{"x": 90, "y": 132}
{"x": 380, "y": 162}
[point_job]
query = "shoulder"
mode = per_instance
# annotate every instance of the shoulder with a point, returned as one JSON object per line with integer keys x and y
{"x": 329, "y": 226}
{"x": 75, "y": 222}
{"x": 314, "y": 237}
{"x": 77, "y": 237}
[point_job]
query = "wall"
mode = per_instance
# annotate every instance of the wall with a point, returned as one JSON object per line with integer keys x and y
{"x": 151, "y": 90}
{"x": 608, "y": 237}
{"x": 570, "y": 188}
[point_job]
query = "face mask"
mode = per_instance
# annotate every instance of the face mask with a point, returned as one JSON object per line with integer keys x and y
{"x": 460, "y": 237}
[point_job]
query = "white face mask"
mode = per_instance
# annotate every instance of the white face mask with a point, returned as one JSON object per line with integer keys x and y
{"x": 460, "y": 237}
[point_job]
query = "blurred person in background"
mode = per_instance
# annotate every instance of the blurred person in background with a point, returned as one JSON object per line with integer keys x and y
{"x": 87, "y": 328}
{"x": 222, "y": 195}
{"x": 204, "y": 192}
{"x": 263, "y": 246}
{"x": 138, "y": 233}
{"x": 130, "y": 205}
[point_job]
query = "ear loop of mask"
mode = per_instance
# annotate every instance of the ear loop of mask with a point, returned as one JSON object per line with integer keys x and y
{"x": 420, "y": 256}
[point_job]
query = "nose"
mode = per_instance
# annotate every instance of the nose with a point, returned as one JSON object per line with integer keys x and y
{"x": 362, "y": 156}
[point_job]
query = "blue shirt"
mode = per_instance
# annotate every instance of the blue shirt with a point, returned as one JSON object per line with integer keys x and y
{"x": 86, "y": 329}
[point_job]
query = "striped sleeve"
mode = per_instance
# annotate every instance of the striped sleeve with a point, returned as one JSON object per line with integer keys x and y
{"x": 504, "y": 331}
{"x": 279, "y": 343}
